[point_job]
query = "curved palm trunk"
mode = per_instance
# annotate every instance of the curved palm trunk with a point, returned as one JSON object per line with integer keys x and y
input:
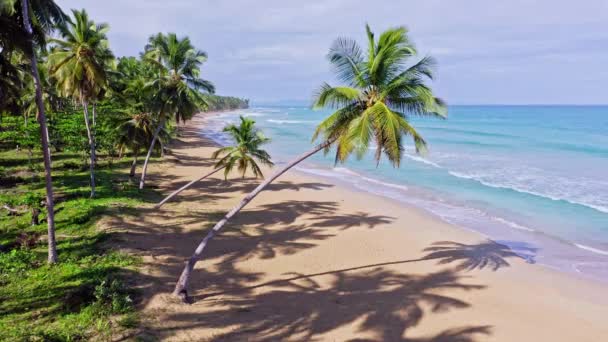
{"x": 181, "y": 288}
{"x": 44, "y": 137}
{"x": 142, "y": 181}
{"x": 85, "y": 106}
{"x": 176, "y": 192}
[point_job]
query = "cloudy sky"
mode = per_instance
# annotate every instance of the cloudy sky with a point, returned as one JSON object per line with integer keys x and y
{"x": 489, "y": 52}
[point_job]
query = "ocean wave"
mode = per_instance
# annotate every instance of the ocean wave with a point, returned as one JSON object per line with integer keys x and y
{"x": 338, "y": 172}
{"x": 255, "y": 114}
{"x": 512, "y": 224}
{"x": 591, "y": 249}
{"x": 344, "y": 170}
{"x": 280, "y": 122}
{"x": 476, "y": 178}
{"x": 422, "y": 160}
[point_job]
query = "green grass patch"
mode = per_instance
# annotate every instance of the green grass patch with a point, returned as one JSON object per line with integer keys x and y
{"x": 87, "y": 294}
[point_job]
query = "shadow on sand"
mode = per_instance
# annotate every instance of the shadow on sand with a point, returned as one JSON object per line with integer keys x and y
{"x": 240, "y": 304}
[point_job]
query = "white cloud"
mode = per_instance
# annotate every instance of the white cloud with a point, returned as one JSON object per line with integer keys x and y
{"x": 269, "y": 49}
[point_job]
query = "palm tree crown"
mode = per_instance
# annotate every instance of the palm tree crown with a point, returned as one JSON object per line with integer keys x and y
{"x": 178, "y": 64}
{"x": 382, "y": 88}
{"x": 246, "y": 153}
{"x": 79, "y": 61}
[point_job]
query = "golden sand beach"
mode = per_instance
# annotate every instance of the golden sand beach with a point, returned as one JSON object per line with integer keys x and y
{"x": 309, "y": 260}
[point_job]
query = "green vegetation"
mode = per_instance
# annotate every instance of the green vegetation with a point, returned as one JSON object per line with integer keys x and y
{"x": 88, "y": 292}
{"x": 63, "y": 170}
{"x": 383, "y": 86}
{"x": 218, "y": 103}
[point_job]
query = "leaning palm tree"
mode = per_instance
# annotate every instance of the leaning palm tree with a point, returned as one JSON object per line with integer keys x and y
{"x": 244, "y": 155}
{"x": 177, "y": 89}
{"x": 382, "y": 87}
{"x": 79, "y": 63}
{"x": 46, "y": 14}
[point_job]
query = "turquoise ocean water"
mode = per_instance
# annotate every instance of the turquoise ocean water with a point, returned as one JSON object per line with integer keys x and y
{"x": 532, "y": 177}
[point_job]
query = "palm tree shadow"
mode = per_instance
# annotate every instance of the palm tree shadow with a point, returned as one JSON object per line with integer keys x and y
{"x": 386, "y": 303}
{"x": 487, "y": 254}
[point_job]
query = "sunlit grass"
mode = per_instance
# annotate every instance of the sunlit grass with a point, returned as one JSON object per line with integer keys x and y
{"x": 87, "y": 292}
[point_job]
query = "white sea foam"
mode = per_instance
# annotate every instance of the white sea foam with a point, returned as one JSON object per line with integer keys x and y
{"x": 254, "y": 114}
{"x": 530, "y": 192}
{"x": 280, "y": 122}
{"x": 591, "y": 249}
{"x": 339, "y": 172}
{"x": 421, "y": 160}
{"x": 370, "y": 180}
{"x": 512, "y": 224}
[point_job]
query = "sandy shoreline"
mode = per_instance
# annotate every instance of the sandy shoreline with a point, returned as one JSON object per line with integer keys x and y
{"x": 311, "y": 260}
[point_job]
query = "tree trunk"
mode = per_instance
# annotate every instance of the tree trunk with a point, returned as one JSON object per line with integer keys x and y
{"x": 176, "y": 192}
{"x": 133, "y": 165}
{"x": 44, "y": 137}
{"x": 35, "y": 216}
{"x": 85, "y": 106}
{"x": 94, "y": 114}
{"x": 181, "y": 288}
{"x": 142, "y": 181}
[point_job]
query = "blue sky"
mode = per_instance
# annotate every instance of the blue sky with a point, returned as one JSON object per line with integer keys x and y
{"x": 489, "y": 52}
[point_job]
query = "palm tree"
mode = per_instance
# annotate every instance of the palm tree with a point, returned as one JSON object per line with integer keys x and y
{"x": 135, "y": 133}
{"x": 243, "y": 155}
{"x": 177, "y": 89}
{"x": 47, "y": 14}
{"x": 79, "y": 64}
{"x": 382, "y": 87}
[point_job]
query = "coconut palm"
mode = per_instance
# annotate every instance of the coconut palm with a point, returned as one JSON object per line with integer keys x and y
{"x": 177, "y": 89}
{"x": 46, "y": 14}
{"x": 244, "y": 155}
{"x": 79, "y": 62}
{"x": 135, "y": 133}
{"x": 382, "y": 86}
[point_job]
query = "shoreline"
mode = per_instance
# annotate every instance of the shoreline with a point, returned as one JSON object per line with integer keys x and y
{"x": 558, "y": 243}
{"x": 309, "y": 259}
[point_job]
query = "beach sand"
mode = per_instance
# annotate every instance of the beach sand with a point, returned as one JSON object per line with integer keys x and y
{"x": 310, "y": 260}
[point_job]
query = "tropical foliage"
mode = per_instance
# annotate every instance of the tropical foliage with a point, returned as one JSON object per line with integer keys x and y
{"x": 382, "y": 88}
{"x": 79, "y": 62}
{"x": 244, "y": 154}
{"x": 56, "y": 70}
{"x": 176, "y": 90}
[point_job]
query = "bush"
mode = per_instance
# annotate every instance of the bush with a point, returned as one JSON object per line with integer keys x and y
{"x": 114, "y": 296}
{"x": 16, "y": 261}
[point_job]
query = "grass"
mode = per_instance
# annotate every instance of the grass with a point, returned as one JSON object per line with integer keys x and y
{"x": 86, "y": 295}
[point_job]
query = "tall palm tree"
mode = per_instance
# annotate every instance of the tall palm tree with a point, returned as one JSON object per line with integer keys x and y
{"x": 79, "y": 62}
{"x": 177, "y": 89}
{"x": 46, "y": 14}
{"x": 244, "y": 155}
{"x": 382, "y": 87}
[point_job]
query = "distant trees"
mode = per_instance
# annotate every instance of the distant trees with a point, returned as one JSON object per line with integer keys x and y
{"x": 217, "y": 103}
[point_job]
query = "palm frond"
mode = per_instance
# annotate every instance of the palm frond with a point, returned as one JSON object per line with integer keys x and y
{"x": 335, "y": 97}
